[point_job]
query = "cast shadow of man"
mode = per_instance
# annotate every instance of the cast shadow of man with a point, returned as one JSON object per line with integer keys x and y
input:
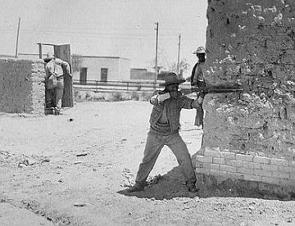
{"x": 168, "y": 186}
{"x": 172, "y": 185}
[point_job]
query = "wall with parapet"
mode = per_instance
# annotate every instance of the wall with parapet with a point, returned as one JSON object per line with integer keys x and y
{"x": 250, "y": 136}
{"x": 22, "y": 88}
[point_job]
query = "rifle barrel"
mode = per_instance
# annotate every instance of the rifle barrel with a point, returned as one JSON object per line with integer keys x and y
{"x": 211, "y": 90}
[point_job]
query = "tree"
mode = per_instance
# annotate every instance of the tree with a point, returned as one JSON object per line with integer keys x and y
{"x": 183, "y": 66}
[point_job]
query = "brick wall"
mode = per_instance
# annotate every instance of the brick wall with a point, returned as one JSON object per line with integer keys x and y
{"x": 250, "y": 136}
{"x": 21, "y": 86}
{"x": 229, "y": 164}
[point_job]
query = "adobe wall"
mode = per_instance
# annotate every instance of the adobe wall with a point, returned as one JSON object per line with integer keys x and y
{"x": 21, "y": 86}
{"x": 250, "y": 136}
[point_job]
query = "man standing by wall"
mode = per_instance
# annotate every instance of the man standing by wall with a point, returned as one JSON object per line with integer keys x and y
{"x": 164, "y": 130}
{"x": 55, "y": 70}
{"x": 197, "y": 80}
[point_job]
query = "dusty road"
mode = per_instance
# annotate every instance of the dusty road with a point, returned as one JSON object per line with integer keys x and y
{"x": 73, "y": 170}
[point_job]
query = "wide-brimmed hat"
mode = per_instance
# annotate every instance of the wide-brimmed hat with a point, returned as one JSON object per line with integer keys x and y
{"x": 170, "y": 78}
{"x": 49, "y": 56}
{"x": 200, "y": 49}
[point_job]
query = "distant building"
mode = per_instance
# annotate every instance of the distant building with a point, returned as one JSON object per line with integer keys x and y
{"x": 102, "y": 68}
{"x": 141, "y": 74}
{"x": 96, "y": 68}
{"x": 30, "y": 56}
{"x": 144, "y": 74}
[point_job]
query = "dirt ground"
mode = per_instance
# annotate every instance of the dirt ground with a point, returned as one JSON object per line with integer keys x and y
{"x": 73, "y": 169}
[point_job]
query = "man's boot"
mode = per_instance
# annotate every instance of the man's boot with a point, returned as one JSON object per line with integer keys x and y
{"x": 139, "y": 186}
{"x": 191, "y": 186}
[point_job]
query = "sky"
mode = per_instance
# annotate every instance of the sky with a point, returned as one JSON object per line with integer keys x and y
{"x": 124, "y": 28}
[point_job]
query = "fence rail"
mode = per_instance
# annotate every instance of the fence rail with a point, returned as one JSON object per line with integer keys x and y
{"x": 111, "y": 86}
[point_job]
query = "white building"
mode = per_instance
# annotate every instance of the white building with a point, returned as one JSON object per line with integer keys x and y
{"x": 102, "y": 68}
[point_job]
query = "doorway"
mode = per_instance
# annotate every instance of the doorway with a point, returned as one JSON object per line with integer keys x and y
{"x": 83, "y": 76}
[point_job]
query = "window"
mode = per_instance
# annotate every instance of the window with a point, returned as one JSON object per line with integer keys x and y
{"x": 104, "y": 74}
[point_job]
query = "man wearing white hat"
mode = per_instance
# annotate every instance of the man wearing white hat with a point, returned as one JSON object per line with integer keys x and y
{"x": 164, "y": 130}
{"x": 197, "y": 80}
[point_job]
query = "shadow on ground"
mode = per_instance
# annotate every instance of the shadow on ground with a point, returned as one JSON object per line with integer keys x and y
{"x": 172, "y": 185}
{"x": 167, "y": 186}
{"x": 210, "y": 187}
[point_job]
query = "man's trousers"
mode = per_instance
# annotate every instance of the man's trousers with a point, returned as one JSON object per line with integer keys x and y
{"x": 154, "y": 145}
{"x": 54, "y": 97}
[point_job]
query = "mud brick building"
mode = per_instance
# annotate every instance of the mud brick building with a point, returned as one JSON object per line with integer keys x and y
{"x": 250, "y": 136}
{"x": 22, "y": 88}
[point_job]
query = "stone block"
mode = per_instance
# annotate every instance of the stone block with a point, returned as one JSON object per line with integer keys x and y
{"x": 279, "y": 162}
{"x": 228, "y": 155}
{"x": 207, "y": 165}
{"x": 285, "y": 169}
{"x": 255, "y": 165}
{"x": 204, "y": 159}
{"x": 219, "y": 172}
{"x": 244, "y": 170}
{"x": 218, "y": 160}
{"x": 242, "y": 157}
{"x": 199, "y": 164}
{"x": 260, "y": 172}
{"x": 228, "y": 168}
{"x": 259, "y": 159}
{"x": 236, "y": 163}
{"x": 215, "y": 166}
{"x": 282, "y": 175}
{"x": 268, "y": 167}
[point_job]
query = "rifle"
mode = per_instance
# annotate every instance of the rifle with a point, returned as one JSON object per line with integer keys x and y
{"x": 211, "y": 89}
{"x": 202, "y": 91}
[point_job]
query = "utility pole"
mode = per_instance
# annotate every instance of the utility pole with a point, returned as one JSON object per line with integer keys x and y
{"x": 178, "y": 55}
{"x": 156, "y": 59}
{"x": 17, "y": 35}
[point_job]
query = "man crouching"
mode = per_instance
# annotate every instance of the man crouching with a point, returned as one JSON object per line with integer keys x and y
{"x": 164, "y": 130}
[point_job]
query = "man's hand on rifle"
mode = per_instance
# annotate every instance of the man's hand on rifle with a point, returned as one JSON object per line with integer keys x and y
{"x": 159, "y": 98}
{"x": 162, "y": 97}
{"x": 200, "y": 100}
{"x": 197, "y": 103}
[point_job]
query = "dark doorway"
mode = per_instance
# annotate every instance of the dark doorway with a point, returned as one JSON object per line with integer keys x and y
{"x": 104, "y": 74}
{"x": 83, "y": 75}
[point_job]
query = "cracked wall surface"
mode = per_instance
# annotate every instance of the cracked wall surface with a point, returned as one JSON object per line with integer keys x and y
{"x": 22, "y": 88}
{"x": 251, "y": 43}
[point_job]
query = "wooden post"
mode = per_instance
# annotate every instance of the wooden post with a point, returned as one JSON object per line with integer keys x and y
{"x": 64, "y": 52}
{"x": 17, "y": 36}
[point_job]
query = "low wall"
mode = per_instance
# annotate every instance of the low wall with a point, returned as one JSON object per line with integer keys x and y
{"x": 249, "y": 167}
{"x": 21, "y": 86}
